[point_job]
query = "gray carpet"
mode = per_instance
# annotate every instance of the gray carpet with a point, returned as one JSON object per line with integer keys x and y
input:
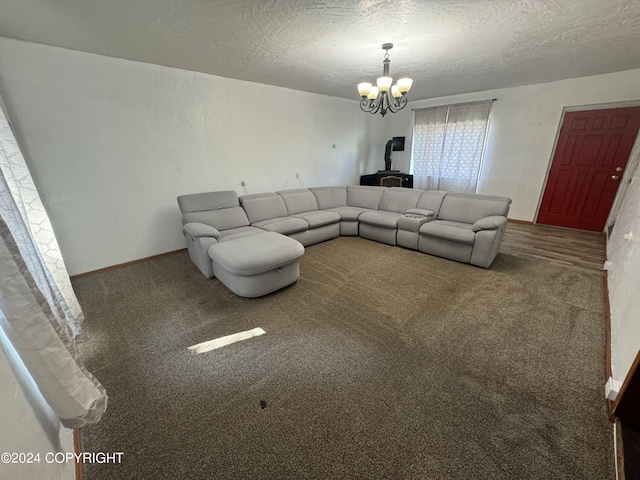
{"x": 379, "y": 363}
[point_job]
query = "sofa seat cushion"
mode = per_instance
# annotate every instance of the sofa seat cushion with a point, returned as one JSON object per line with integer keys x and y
{"x": 239, "y": 232}
{"x": 255, "y": 254}
{"x": 453, "y": 231}
{"x": 349, "y": 214}
{"x": 319, "y": 219}
{"x": 380, "y": 218}
{"x": 284, "y": 225}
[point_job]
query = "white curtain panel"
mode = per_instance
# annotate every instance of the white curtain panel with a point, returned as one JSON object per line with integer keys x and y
{"x": 448, "y": 142}
{"x": 428, "y": 140}
{"x": 38, "y": 309}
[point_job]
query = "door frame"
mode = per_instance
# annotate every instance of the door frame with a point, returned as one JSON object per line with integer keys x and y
{"x": 634, "y": 156}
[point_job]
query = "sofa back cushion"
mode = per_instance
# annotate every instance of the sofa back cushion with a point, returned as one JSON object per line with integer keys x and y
{"x": 396, "y": 199}
{"x": 219, "y": 209}
{"x": 431, "y": 200}
{"x": 364, "y": 196}
{"x": 298, "y": 200}
{"x": 469, "y": 207}
{"x": 330, "y": 197}
{"x": 263, "y": 206}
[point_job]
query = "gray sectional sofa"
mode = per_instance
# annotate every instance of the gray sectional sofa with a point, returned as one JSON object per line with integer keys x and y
{"x": 466, "y": 228}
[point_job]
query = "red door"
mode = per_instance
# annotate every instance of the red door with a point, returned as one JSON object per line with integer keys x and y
{"x": 589, "y": 161}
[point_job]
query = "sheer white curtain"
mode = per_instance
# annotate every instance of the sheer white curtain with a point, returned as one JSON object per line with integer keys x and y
{"x": 448, "y": 142}
{"x": 39, "y": 312}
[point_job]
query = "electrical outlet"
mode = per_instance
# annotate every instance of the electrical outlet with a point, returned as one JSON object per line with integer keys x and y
{"x": 243, "y": 183}
{"x": 297, "y": 175}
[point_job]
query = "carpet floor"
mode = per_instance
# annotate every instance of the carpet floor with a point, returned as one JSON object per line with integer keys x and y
{"x": 379, "y": 363}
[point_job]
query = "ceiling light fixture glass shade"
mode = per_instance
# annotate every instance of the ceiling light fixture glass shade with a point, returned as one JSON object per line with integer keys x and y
{"x": 384, "y": 97}
{"x": 364, "y": 89}
{"x": 384, "y": 83}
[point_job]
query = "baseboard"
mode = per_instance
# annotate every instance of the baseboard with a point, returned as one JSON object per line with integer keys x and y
{"x": 126, "y": 264}
{"x": 607, "y": 336}
{"x": 607, "y": 352}
{"x": 522, "y": 222}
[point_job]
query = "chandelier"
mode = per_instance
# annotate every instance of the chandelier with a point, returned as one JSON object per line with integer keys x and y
{"x": 383, "y": 97}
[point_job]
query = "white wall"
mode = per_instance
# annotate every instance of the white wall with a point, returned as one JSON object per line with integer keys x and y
{"x": 28, "y": 423}
{"x": 523, "y": 126}
{"x": 111, "y": 143}
{"x": 624, "y": 282}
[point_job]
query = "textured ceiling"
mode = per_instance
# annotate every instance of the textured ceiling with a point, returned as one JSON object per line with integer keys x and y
{"x": 446, "y": 46}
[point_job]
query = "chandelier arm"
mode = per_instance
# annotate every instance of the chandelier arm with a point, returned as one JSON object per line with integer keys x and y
{"x": 398, "y": 104}
{"x": 379, "y": 103}
{"x": 369, "y": 106}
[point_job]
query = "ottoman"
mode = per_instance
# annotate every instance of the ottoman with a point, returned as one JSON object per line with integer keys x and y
{"x": 258, "y": 264}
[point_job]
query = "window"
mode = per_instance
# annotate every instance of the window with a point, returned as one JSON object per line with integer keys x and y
{"x": 448, "y": 143}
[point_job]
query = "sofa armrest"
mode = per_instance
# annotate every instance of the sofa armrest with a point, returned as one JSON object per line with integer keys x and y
{"x": 420, "y": 212}
{"x": 414, "y": 218}
{"x": 196, "y": 230}
{"x": 493, "y": 222}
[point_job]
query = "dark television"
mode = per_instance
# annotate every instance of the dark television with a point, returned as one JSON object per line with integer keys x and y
{"x": 396, "y": 144}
